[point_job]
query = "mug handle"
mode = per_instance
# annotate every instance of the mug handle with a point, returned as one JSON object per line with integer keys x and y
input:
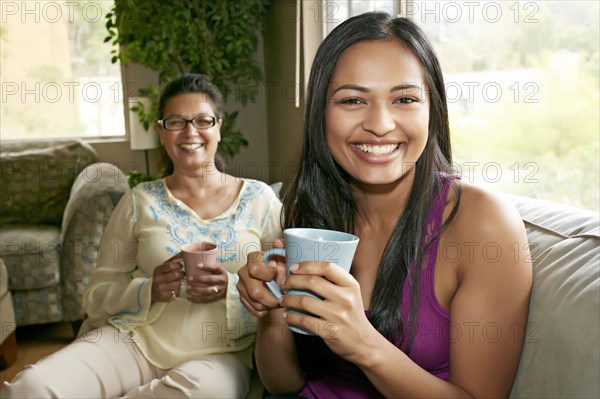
{"x": 271, "y": 284}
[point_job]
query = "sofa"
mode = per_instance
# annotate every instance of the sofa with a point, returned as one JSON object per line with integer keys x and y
{"x": 561, "y": 355}
{"x": 52, "y": 217}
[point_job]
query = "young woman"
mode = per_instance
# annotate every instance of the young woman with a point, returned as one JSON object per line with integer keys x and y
{"x": 436, "y": 301}
{"x": 155, "y": 337}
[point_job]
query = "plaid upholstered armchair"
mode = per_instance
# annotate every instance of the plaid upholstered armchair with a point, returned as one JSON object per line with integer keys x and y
{"x": 55, "y": 204}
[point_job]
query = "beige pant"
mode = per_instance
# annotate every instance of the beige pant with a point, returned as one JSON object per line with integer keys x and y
{"x": 112, "y": 366}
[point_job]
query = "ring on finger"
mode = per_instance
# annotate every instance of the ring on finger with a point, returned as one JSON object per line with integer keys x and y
{"x": 173, "y": 295}
{"x": 215, "y": 289}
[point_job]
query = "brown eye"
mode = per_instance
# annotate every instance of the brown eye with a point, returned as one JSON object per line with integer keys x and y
{"x": 406, "y": 100}
{"x": 174, "y": 123}
{"x": 351, "y": 101}
{"x": 204, "y": 122}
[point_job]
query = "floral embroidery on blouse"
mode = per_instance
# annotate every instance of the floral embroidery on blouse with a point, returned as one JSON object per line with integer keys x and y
{"x": 184, "y": 226}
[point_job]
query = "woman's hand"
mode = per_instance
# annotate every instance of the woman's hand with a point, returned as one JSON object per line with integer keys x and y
{"x": 209, "y": 285}
{"x": 166, "y": 280}
{"x": 339, "y": 319}
{"x": 255, "y": 296}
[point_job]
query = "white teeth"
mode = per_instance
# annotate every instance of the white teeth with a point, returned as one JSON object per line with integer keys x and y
{"x": 377, "y": 149}
{"x": 190, "y": 147}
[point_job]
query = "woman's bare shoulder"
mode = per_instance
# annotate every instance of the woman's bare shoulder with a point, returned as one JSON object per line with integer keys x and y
{"x": 484, "y": 214}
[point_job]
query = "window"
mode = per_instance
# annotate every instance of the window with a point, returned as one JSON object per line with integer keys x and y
{"x": 57, "y": 78}
{"x": 335, "y": 11}
{"x": 522, "y": 88}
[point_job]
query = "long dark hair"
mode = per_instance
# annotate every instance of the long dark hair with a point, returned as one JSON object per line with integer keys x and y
{"x": 189, "y": 83}
{"x": 320, "y": 195}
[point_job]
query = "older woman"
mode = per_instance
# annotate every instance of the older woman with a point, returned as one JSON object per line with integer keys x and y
{"x": 157, "y": 337}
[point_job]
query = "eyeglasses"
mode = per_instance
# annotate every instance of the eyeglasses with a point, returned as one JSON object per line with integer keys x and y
{"x": 179, "y": 123}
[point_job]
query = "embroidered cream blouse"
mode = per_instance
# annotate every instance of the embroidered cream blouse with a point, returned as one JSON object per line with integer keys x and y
{"x": 149, "y": 226}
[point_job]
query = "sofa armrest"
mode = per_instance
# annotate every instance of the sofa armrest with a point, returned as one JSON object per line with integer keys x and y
{"x": 560, "y": 357}
{"x": 97, "y": 179}
{"x": 94, "y": 195}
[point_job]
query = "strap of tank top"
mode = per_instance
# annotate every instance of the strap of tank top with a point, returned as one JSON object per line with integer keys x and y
{"x": 435, "y": 219}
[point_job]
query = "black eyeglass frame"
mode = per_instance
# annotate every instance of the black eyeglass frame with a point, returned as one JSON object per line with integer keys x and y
{"x": 162, "y": 122}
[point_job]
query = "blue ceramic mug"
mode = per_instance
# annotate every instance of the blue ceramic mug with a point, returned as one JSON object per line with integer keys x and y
{"x": 318, "y": 245}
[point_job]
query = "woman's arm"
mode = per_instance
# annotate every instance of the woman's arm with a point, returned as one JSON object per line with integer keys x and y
{"x": 491, "y": 304}
{"x": 112, "y": 289}
{"x": 275, "y": 351}
{"x": 276, "y": 356}
{"x": 117, "y": 287}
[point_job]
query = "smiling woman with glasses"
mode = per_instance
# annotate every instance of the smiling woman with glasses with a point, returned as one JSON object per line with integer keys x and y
{"x": 206, "y": 122}
{"x": 159, "y": 333}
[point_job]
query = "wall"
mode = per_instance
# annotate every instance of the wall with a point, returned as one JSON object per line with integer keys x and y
{"x": 283, "y": 117}
{"x": 252, "y": 161}
{"x": 118, "y": 151}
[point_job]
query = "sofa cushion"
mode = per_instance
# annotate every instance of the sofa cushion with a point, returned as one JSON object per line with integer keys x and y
{"x": 560, "y": 357}
{"x": 31, "y": 254}
{"x": 7, "y": 313}
{"x": 38, "y": 306}
{"x": 3, "y": 279}
{"x": 7, "y": 316}
{"x": 36, "y": 179}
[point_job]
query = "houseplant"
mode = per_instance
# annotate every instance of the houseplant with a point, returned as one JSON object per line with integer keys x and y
{"x": 217, "y": 38}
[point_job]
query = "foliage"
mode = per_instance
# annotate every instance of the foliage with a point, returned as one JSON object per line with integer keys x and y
{"x": 524, "y": 33}
{"x": 539, "y": 136}
{"x": 135, "y": 178}
{"x": 546, "y": 149}
{"x": 88, "y": 53}
{"x": 147, "y": 116}
{"x": 216, "y": 38}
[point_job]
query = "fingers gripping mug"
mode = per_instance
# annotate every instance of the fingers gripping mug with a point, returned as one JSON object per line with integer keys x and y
{"x": 319, "y": 245}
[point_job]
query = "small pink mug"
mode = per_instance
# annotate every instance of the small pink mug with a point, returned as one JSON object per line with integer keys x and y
{"x": 196, "y": 253}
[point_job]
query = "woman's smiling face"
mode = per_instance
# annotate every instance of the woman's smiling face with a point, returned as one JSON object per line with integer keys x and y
{"x": 191, "y": 148}
{"x": 377, "y": 111}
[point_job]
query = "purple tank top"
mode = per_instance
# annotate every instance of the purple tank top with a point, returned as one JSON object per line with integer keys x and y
{"x": 330, "y": 376}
